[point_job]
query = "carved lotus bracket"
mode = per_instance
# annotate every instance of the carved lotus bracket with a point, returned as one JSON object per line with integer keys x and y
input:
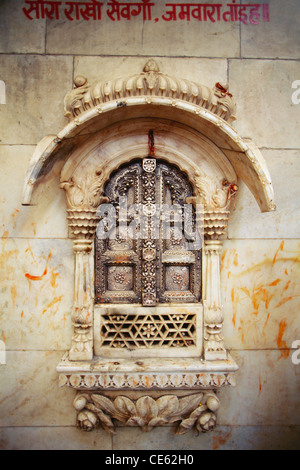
{"x": 190, "y": 411}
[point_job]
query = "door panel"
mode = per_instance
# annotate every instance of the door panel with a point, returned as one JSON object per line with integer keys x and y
{"x": 145, "y": 256}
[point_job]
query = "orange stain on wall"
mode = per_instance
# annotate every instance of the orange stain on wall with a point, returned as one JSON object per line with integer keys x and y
{"x": 13, "y": 293}
{"x": 234, "y": 306}
{"x": 220, "y": 439}
{"x": 53, "y": 302}
{"x": 53, "y": 280}
{"x": 36, "y": 278}
{"x": 284, "y": 301}
{"x": 260, "y": 289}
{"x": 281, "y": 247}
{"x": 39, "y": 278}
{"x": 281, "y": 344}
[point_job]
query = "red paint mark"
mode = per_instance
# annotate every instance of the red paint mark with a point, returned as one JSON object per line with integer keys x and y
{"x": 220, "y": 439}
{"x": 277, "y": 252}
{"x": 281, "y": 344}
{"x": 22, "y": 314}
{"x": 287, "y": 285}
{"x": 274, "y": 283}
{"x": 38, "y": 278}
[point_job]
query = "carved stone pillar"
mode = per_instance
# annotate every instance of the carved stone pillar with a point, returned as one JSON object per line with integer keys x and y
{"x": 83, "y": 197}
{"x": 215, "y": 223}
{"x": 83, "y": 226}
{"x": 215, "y": 197}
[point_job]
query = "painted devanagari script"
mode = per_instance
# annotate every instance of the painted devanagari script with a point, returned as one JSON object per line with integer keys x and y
{"x": 114, "y": 10}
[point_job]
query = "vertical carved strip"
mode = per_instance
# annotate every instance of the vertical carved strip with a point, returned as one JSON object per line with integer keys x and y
{"x": 214, "y": 348}
{"x": 149, "y": 245}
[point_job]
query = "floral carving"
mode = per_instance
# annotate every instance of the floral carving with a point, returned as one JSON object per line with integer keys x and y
{"x": 213, "y": 194}
{"x": 84, "y": 191}
{"x": 177, "y": 278}
{"x": 119, "y": 278}
{"x": 190, "y": 411}
{"x": 149, "y": 330}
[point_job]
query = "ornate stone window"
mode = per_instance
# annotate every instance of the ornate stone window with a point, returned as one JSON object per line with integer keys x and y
{"x": 147, "y": 348}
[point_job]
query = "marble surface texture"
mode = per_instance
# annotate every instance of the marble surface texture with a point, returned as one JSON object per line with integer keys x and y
{"x": 260, "y": 258}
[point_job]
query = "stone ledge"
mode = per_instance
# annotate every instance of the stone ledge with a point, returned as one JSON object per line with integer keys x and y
{"x": 146, "y": 374}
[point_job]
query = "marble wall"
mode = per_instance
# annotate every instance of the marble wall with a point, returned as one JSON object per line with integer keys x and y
{"x": 261, "y": 256}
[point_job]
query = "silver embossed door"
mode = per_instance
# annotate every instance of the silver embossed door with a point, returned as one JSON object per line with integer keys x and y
{"x": 148, "y": 263}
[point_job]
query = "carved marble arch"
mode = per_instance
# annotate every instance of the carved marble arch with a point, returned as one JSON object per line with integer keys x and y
{"x": 153, "y": 353}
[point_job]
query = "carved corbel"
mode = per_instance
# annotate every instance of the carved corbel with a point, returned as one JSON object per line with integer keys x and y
{"x": 83, "y": 199}
{"x": 196, "y": 410}
{"x": 215, "y": 198}
{"x": 72, "y": 102}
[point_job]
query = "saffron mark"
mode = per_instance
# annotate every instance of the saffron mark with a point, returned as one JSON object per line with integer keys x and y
{"x": 39, "y": 278}
{"x": 274, "y": 283}
{"x": 36, "y": 278}
{"x": 53, "y": 302}
{"x": 54, "y": 277}
{"x": 234, "y": 309}
{"x": 259, "y": 378}
{"x": 223, "y": 256}
{"x": 266, "y": 322}
{"x": 281, "y": 344}
{"x": 284, "y": 301}
{"x": 13, "y": 292}
{"x": 220, "y": 439}
{"x": 287, "y": 285}
{"x": 223, "y": 90}
{"x": 281, "y": 247}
